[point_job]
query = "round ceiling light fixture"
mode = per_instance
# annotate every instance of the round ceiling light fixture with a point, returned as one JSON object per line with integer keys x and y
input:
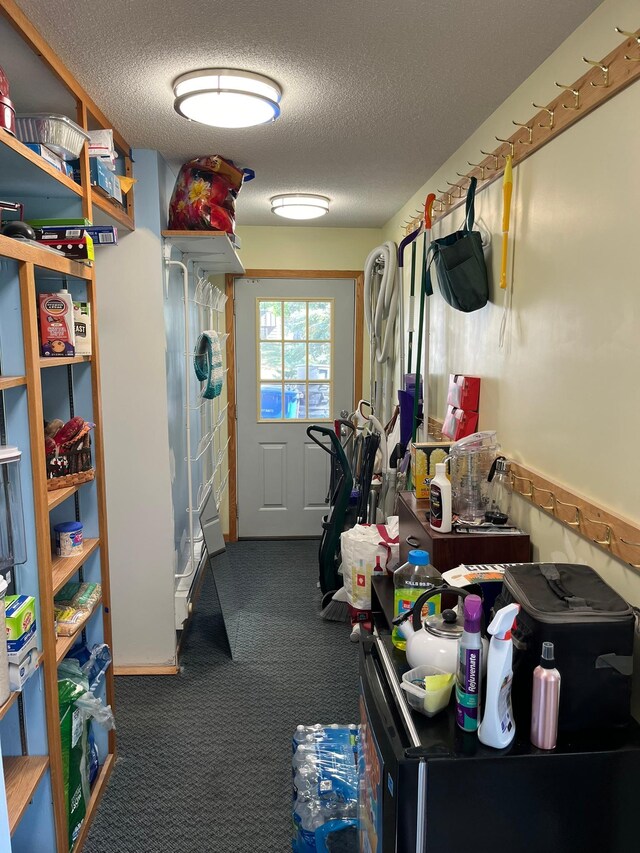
{"x": 222, "y": 97}
{"x": 300, "y": 205}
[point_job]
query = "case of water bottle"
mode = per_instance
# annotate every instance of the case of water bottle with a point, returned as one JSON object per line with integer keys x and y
{"x": 325, "y": 789}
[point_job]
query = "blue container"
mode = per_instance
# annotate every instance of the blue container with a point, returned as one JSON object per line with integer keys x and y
{"x": 271, "y": 403}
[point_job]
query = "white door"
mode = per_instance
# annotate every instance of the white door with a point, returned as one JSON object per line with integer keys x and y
{"x": 295, "y": 366}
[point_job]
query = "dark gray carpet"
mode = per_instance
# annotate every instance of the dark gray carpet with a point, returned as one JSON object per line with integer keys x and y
{"x": 204, "y": 758}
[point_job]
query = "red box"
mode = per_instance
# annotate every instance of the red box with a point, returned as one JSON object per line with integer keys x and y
{"x": 459, "y": 424}
{"x": 464, "y": 392}
{"x": 57, "y": 334}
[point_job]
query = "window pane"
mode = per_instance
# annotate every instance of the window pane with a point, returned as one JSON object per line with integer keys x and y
{"x": 270, "y": 320}
{"x": 319, "y": 401}
{"x": 295, "y": 361}
{"x": 295, "y": 321}
{"x": 270, "y": 401}
{"x": 270, "y": 361}
{"x": 319, "y": 321}
{"x": 319, "y": 361}
{"x": 294, "y": 401}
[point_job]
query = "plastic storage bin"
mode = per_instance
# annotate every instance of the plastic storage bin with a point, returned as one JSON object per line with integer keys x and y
{"x": 428, "y": 702}
{"x": 57, "y": 132}
{"x": 13, "y": 549}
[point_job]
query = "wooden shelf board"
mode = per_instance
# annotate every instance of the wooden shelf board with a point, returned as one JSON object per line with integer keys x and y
{"x": 22, "y": 775}
{"x": 212, "y": 249}
{"x": 96, "y": 795}
{"x": 63, "y": 644}
{"x": 56, "y": 496}
{"x": 9, "y": 703}
{"x": 109, "y": 212}
{"x": 61, "y": 362}
{"x": 26, "y": 174}
{"x": 63, "y": 568}
{"x": 18, "y": 250}
{"x": 12, "y": 382}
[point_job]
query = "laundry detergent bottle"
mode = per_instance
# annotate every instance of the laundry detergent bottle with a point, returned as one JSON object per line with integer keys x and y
{"x": 409, "y": 582}
{"x": 498, "y": 728}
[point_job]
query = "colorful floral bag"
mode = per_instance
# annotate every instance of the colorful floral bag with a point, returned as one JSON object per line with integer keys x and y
{"x": 204, "y": 197}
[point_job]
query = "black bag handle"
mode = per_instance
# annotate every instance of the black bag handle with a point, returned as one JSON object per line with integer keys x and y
{"x": 552, "y": 576}
{"x": 470, "y": 205}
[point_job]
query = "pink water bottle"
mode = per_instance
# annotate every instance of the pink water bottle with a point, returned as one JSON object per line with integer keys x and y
{"x": 546, "y": 700}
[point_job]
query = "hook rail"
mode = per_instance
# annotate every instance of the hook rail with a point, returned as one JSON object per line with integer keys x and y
{"x": 603, "y": 79}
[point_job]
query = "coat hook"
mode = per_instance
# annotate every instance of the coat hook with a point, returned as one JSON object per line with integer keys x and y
{"x": 442, "y": 206}
{"x": 576, "y": 97}
{"x": 552, "y": 498}
{"x": 632, "y": 36}
{"x": 528, "y": 141}
{"x": 607, "y": 540}
{"x": 509, "y": 143}
{"x": 495, "y": 160}
{"x": 603, "y": 68}
{"x": 462, "y": 175}
{"x": 458, "y": 187}
{"x": 626, "y": 541}
{"x": 480, "y": 166}
{"x": 551, "y": 114}
{"x": 448, "y": 194}
{"x": 576, "y": 509}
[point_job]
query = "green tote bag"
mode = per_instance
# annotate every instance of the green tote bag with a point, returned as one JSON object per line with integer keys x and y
{"x": 460, "y": 264}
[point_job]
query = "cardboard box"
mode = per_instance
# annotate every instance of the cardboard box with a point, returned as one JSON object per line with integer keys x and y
{"x": 103, "y": 178}
{"x": 50, "y": 156}
{"x": 19, "y": 673}
{"x": 102, "y": 235}
{"x": 57, "y": 338}
{"x": 67, "y": 222}
{"x": 458, "y": 423}
{"x": 424, "y": 457}
{"x": 18, "y": 649}
{"x": 82, "y": 327}
{"x": 464, "y": 392}
{"x": 75, "y": 248}
{"x": 20, "y": 619}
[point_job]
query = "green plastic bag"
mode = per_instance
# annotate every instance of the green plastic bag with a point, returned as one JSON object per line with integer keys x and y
{"x": 73, "y": 733}
{"x": 460, "y": 265}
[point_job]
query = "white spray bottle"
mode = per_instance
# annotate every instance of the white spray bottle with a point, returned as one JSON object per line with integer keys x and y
{"x": 497, "y": 728}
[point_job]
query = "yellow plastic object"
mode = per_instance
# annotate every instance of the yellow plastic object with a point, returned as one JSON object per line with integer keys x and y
{"x": 507, "y": 188}
{"x": 126, "y": 183}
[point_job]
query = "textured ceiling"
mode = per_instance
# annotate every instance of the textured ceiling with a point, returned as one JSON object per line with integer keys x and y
{"x": 376, "y": 93}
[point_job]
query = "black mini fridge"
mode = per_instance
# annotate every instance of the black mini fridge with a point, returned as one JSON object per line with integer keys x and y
{"x": 427, "y": 787}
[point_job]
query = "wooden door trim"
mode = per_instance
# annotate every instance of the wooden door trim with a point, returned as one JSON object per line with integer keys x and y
{"x": 232, "y": 422}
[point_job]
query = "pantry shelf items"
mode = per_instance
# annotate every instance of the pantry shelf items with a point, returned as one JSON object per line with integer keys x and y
{"x": 41, "y": 384}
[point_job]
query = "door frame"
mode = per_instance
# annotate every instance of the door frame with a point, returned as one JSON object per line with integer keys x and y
{"x": 232, "y": 421}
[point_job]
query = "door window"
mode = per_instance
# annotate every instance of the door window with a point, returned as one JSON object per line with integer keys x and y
{"x": 295, "y": 359}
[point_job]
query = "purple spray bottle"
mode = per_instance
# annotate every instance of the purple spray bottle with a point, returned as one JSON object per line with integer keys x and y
{"x": 469, "y": 666}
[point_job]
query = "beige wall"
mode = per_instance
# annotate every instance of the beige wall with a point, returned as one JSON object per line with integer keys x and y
{"x": 306, "y": 248}
{"x": 562, "y": 393}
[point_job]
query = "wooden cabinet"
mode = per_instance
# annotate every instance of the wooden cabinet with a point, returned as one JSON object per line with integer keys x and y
{"x": 449, "y": 550}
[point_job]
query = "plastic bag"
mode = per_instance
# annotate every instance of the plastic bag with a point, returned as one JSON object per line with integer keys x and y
{"x": 93, "y": 662}
{"x": 366, "y": 549}
{"x": 204, "y": 197}
{"x": 325, "y": 785}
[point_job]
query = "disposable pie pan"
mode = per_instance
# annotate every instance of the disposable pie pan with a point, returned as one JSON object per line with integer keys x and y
{"x": 57, "y": 132}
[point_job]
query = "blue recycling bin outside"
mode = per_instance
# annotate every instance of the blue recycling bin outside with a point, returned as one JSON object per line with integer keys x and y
{"x": 271, "y": 403}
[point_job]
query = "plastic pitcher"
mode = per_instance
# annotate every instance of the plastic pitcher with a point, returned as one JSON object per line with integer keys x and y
{"x": 471, "y": 460}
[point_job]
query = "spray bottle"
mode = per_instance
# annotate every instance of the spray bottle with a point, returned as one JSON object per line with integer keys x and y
{"x": 545, "y": 702}
{"x": 497, "y": 728}
{"x": 469, "y": 666}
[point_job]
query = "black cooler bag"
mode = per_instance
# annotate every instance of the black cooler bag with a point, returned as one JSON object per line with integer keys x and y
{"x": 591, "y": 628}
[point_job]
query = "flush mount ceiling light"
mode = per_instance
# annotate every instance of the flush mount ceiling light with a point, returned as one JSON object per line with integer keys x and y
{"x": 300, "y": 205}
{"x": 221, "y": 97}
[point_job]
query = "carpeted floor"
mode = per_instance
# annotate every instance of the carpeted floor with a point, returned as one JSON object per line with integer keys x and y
{"x": 204, "y": 758}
